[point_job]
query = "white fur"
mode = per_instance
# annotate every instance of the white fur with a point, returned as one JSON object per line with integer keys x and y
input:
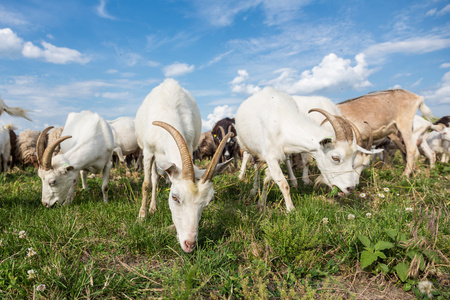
{"x": 89, "y": 150}
{"x": 269, "y": 126}
{"x": 172, "y": 104}
{"x": 125, "y": 141}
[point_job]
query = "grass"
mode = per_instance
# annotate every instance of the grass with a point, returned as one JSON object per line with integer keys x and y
{"x": 92, "y": 250}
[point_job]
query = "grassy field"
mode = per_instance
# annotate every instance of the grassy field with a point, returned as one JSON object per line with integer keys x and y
{"x": 383, "y": 240}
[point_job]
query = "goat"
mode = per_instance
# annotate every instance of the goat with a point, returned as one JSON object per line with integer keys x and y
{"x": 206, "y": 146}
{"x": 270, "y": 127}
{"x": 436, "y": 142}
{"x": 125, "y": 141}
{"x": 26, "y": 147}
{"x": 13, "y": 111}
{"x": 54, "y": 135}
{"x": 86, "y": 144}
{"x": 387, "y": 112}
{"x": 220, "y": 129}
{"x": 13, "y": 142}
{"x": 174, "y": 109}
{"x": 5, "y": 147}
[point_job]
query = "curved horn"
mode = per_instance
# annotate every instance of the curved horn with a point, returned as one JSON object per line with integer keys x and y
{"x": 338, "y": 128}
{"x": 229, "y": 130}
{"x": 48, "y": 153}
{"x": 347, "y": 128}
{"x": 187, "y": 167}
{"x": 358, "y": 135}
{"x": 370, "y": 141}
{"x": 222, "y": 131}
{"x": 40, "y": 145}
{"x": 215, "y": 160}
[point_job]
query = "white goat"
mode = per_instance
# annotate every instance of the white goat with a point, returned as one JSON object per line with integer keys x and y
{"x": 305, "y": 104}
{"x": 436, "y": 142}
{"x": 269, "y": 126}
{"x": 5, "y": 146}
{"x": 13, "y": 111}
{"x": 86, "y": 145}
{"x": 125, "y": 141}
{"x": 171, "y": 107}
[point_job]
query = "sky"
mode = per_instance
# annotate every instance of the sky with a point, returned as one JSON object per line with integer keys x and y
{"x": 61, "y": 56}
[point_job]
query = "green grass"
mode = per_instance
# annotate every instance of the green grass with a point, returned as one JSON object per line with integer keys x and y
{"x": 93, "y": 250}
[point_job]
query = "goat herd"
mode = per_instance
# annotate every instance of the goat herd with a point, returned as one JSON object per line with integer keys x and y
{"x": 269, "y": 127}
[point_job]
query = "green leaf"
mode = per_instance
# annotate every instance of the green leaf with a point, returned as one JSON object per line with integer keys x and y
{"x": 383, "y": 268}
{"x": 407, "y": 287}
{"x": 365, "y": 240}
{"x": 422, "y": 263}
{"x": 382, "y": 245}
{"x": 380, "y": 254}
{"x": 367, "y": 259}
{"x": 402, "y": 271}
{"x": 411, "y": 254}
{"x": 334, "y": 191}
{"x": 401, "y": 237}
{"x": 391, "y": 233}
{"x": 432, "y": 256}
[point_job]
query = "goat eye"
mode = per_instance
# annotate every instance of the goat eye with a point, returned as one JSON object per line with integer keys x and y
{"x": 52, "y": 182}
{"x": 335, "y": 158}
{"x": 175, "y": 198}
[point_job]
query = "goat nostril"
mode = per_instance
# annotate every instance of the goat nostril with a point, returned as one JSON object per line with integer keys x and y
{"x": 350, "y": 189}
{"x": 190, "y": 245}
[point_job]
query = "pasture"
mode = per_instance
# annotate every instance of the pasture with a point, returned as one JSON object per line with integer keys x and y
{"x": 379, "y": 242}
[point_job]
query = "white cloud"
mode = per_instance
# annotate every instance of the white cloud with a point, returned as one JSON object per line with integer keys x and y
{"x": 101, "y": 11}
{"x": 239, "y": 84}
{"x": 444, "y": 11}
{"x": 445, "y": 65}
{"x": 178, "y": 69}
{"x": 442, "y": 93}
{"x": 431, "y": 12}
{"x": 116, "y": 96}
{"x": 418, "y": 45}
{"x": 10, "y": 43}
{"x": 11, "y": 18}
{"x": 395, "y": 87}
{"x": 53, "y": 54}
{"x": 332, "y": 72}
{"x": 218, "y": 113}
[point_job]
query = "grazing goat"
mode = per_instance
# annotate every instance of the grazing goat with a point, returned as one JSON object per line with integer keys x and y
{"x": 125, "y": 141}
{"x": 270, "y": 127}
{"x": 387, "y": 112}
{"x": 86, "y": 144}
{"x": 206, "y": 146}
{"x": 5, "y": 147}
{"x": 436, "y": 142}
{"x": 220, "y": 129}
{"x": 13, "y": 111}
{"x": 168, "y": 126}
{"x": 26, "y": 147}
{"x": 305, "y": 104}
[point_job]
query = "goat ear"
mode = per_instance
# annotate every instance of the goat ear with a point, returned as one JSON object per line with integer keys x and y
{"x": 168, "y": 167}
{"x": 371, "y": 152}
{"x": 325, "y": 142}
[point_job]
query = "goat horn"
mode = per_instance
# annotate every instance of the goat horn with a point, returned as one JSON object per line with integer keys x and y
{"x": 48, "y": 153}
{"x": 187, "y": 166}
{"x": 347, "y": 128}
{"x": 370, "y": 141}
{"x": 40, "y": 145}
{"x": 215, "y": 160}
{"x": 229, "y": 130}
{"x": 358, "y": 136}
{"x": 337, "y": 126}
{"x": 222, "y": 131}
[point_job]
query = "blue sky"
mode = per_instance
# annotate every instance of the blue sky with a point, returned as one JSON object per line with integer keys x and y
{"x": 59, "y": 56}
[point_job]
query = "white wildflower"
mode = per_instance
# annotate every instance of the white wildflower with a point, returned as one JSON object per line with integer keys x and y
{"x": 369, "y": 215}
{"x": 426, "y": 287}
{"x": 409, "y": 209}
{"x": 31, "y": 273}
{"x": 325, "y": 220}
{"x": 40, "y": 287}
{"x": 381, "y": 195}
{"x": 31, "y": 252}
{"x": 386, "y": 190}
{"x": 350, "y": 216}
{"x": 22, "y": 234}
{"x": 362, "y": 195}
